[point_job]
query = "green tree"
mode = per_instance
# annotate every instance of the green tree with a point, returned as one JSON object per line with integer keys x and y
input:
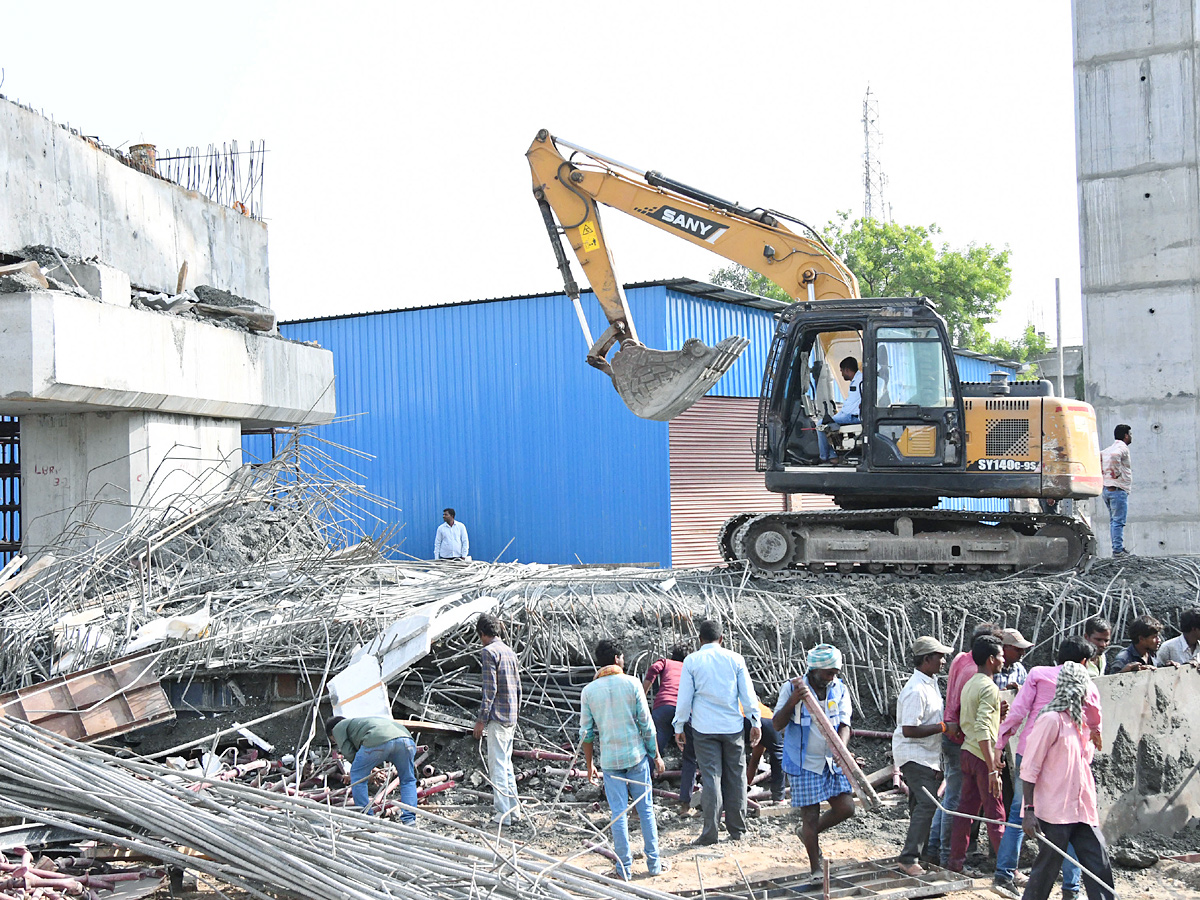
{"x": 739, "y": 278}
{"x": 966, "y": 285}
{"x": 1030, "y": 345}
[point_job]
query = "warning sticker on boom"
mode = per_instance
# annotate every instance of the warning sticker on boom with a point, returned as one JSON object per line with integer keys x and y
{"x": 589, "y": 236}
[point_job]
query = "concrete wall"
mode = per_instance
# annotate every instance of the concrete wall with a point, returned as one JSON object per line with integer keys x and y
{"x": 64, "y": 353}
{"x": 95, "y": 467}
{"x": 1136, "y": 83}
{"x": 59, "y": 189}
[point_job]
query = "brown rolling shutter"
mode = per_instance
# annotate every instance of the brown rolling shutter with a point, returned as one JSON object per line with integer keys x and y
{"x": 713, "y": 477}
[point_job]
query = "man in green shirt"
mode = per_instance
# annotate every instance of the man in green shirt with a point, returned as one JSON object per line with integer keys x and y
{"x": 372, "y": 741}
{"x": 979, "y": 719}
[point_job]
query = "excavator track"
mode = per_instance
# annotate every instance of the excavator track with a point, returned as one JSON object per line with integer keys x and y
{"x": 908, "y": 541}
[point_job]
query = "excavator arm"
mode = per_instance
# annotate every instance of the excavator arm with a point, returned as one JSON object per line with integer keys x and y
{"x": 658, "y": 384}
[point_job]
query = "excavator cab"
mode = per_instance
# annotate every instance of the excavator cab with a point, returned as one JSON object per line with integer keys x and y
{"x": 910, "y": 409}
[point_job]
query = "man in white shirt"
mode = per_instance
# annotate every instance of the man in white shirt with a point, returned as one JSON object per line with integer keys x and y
{"x": 917, "y": 746}
{"x": 851, "y": 410}
{"x": 451, "y": 541}
{"x": 1117, "y": 470}
{"x": 1181, "y": 650}
{"x": 712, "y": 685}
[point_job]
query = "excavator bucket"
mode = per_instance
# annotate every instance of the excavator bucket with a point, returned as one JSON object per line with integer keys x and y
{"x": 660, "y": 384}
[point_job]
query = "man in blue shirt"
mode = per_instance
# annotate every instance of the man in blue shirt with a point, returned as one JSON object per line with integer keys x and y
{"x": 851, "y": 410}
{"x": 713, "y": 684}
{"x": 613, "y": 707}
{"x": 807, "y": 757}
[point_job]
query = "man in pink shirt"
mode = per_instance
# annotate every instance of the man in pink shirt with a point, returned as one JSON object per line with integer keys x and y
{"x": 666, "y": 672}
{"x": 1060, "y": 792}
{"x": 962, "y": 669}
{"x": 1039, "y": 690}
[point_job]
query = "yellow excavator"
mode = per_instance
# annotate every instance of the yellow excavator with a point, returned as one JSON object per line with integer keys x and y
{"x": 920, "y": 434}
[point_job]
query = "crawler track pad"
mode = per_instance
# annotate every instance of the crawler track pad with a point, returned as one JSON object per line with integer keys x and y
{"x": 660, "y": 384}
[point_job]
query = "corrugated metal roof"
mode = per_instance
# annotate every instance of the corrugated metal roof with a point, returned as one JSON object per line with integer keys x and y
{"x": 684, "y": 285}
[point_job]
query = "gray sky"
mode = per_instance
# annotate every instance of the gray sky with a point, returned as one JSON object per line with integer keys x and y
{"x": 396, "y": 131}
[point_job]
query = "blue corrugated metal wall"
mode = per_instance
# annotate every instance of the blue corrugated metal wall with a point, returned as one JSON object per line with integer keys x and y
{"x": 489, "y": 408}
{"x": 973, "y": 369}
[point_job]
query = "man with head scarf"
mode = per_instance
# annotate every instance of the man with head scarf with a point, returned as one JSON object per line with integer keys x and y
{"x": 807, "y": 757}
{"x": 1060, "y": 792}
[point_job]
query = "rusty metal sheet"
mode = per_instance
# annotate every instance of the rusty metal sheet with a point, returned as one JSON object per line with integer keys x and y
{"x": 94, "y": 703}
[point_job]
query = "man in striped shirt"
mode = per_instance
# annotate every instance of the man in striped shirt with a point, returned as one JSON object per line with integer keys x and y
{"x": 613, "y": 708}
{"x": 498, "y": 716}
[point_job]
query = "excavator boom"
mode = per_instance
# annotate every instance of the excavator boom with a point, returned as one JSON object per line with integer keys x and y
{"x": 660, "y": 384}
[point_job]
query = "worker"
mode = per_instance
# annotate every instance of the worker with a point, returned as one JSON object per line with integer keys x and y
{"x": 770, "y": 744}
{"x": 1144, "y": 636}
{"x": 1097, "y": 631}
{"x": 613, "y": 708}
{"x": 851, "y": 408}
{"x": 1038, "y": 691}
{"x": 665, "y": 672}
{"x": 1014, "y": 673}
{"x": 713, "y": 683}
{"x": 981, "y": 758}
{"x": 1060, "y": 791}
{"x": 962, "y": 669}
{"x": 498, "y": 716}
{"x": 807, "y": 756}
{"x": 1117, "y": 470}
{"x": 451, "y": 541}
{"x": 369, "y": 742}
{"x": 916, "y": 746}
{"x": 1181, "y": 650}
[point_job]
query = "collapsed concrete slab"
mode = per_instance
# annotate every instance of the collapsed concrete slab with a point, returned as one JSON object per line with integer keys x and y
{"x": 1146, "y": 778}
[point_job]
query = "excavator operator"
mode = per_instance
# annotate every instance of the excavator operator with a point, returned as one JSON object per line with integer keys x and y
{"x": 849, "y": 413}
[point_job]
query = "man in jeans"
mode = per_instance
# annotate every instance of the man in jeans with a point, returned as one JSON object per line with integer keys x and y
{"x": 613, "y": 708}
{"x": 1060, "y": 792}
{"x": 713, "y": 683}
{"x": 916, "y": 746}
{"x": 1118, "y": 482}
{"x": 1038, "y": 691}
{"x": 369, "y": 742}
{"x": 498, "y": 717}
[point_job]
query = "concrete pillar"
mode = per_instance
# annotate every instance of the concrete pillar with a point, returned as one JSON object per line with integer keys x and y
{"x": 98, "y": 466}
{"x": 1137, "y": 84}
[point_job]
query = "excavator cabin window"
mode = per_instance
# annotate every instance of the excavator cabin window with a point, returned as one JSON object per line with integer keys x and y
{"x": 816, "y": 387}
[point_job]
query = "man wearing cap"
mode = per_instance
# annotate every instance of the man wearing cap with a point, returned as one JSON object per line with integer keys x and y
{"x": 1014, "y": 673}
{"x": 807, "y": 757}
{"x": 917, "y": 746}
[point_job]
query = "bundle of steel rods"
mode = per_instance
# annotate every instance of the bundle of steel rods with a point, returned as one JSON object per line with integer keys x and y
{"x": 269, "y": 844}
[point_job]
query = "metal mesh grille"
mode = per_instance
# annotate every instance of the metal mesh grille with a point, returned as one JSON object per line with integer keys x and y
{"x": 1007, "y": 437}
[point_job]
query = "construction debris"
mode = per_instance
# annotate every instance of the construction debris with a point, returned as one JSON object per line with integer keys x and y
{"x": 262, "y": 841}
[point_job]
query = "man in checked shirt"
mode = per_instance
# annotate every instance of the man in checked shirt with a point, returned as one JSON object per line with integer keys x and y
{"x": 498, "y": 717}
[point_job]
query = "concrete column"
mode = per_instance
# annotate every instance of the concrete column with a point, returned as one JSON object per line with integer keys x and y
{"x": 97, "y": 467}
{"x": 1137, "y": 88}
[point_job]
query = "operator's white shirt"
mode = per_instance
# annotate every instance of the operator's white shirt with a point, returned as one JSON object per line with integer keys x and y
{"x": 853, "y": 403}
{"x": 451, "y": 541}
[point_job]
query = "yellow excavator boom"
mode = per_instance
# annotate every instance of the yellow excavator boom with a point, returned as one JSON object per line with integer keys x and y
{"x": 658, "y": 384}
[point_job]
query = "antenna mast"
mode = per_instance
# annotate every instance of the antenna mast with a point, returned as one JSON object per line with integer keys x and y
{"x": 874, "y": 181}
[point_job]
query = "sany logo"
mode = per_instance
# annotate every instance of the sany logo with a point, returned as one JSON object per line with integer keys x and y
{"x": 701, "y": 228}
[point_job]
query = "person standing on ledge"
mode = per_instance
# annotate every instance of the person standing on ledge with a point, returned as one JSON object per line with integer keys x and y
{"x": 451, "y": 541}
{"x": 1118, "y": 482}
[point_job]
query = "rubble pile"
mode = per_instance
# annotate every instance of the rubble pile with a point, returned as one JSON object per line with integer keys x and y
{"x": 267, "y": 843}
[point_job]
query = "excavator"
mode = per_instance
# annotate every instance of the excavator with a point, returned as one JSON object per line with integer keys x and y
{"x": 921, "y": 435}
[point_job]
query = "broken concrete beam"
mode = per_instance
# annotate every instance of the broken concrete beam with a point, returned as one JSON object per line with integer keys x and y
{"x": 19, "y": 278}
{"x": 100, "y": 281}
